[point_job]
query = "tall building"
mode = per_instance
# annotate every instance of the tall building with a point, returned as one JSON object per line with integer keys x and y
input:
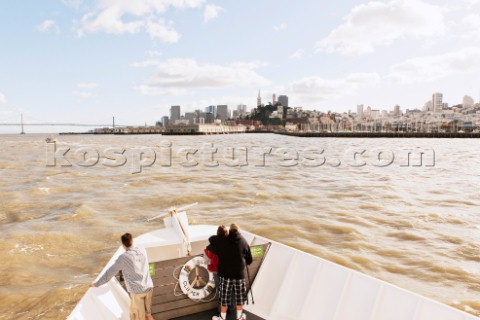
{"x": 191, "y": 117}
{"x": 241, "y": 109}
{"x": 222, "y": 112}
{"x": 283, "y": 100}
{"x": 396, "y": 111}
{"x": 174, "y": 114}
{"x": 428, "y": 106}
{"x": 274, "y": 99}
{"x": 368, "y": 112}
{"x": 209, "y": 118}
{"x": 360, "y": 110}
{"x": 259, "y": 99}
{"x": 164, "y": 121}
{"x": 437, "y": 103}
{"x": 468, "y": 102}
{"x": 212, "y": 110}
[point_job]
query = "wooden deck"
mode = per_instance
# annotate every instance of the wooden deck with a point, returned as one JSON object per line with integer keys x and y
{"x": 207, "y": 315}
{"x": 168, "y": 302}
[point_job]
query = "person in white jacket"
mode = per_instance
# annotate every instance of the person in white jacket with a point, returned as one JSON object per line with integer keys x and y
{"x": 134, "y": 266}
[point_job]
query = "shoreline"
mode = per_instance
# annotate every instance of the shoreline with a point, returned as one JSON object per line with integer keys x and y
{"x": 447, "y": 135}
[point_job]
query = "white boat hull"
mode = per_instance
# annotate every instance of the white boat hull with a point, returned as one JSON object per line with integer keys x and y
{"x": 290, "y": 284}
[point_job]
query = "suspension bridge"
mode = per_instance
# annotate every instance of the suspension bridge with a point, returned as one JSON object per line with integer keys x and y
{"x": 23, "y": 124}
{"x": 56, "y": 124}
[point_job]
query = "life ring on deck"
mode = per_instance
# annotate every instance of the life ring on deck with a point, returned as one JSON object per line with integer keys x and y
{"x": 195, "y": 280}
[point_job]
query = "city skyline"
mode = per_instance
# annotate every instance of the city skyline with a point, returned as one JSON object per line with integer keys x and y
{"x": 91, "y": 60}
{"x": 428, "y": 106}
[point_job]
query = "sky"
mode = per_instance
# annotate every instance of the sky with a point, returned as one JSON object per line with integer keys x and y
{"x": 85, "y": 61}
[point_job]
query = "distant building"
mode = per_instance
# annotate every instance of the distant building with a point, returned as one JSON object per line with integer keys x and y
{"x": 368, "y": 112}
{"x": 468, "y": 102}
{"x": 360, "y": 111}
{"x": 298, "y": 109}
{"x": 181, "y": 121}
{"x": 259, "y": 99}
{"x": 209, "y": 117}
{"x": 174, "y": 114}
{"x": 199, "y": 114}
{"x": 274, "y": 98}
{"x": 241, "y": 109}
{"x": 375, "y": 114}
{"x": 164, "y": 121}
{"x": 428, "y": 107}
{"x": 396, "y": 111}
{"x": 191, "y": 117}
{"x": 204, "y": 129}
{"x": 181, "y": 128}
{"x": 222, "y": 112}
{"x": 212, "y": 110}
{"x": 437, "y": 103}
{"x": 283, "y": 100}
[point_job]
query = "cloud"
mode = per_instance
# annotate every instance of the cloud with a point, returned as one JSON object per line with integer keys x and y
{"x": 88, "y": 85}
{"x": 48, "y": 25}
{"x": 430, "y": 68}
{"x": 159, "y": 30}
{"x": 126, "y": 16}
{"x": 83, "y": 94}
{"x": 376, "y": 24}
{"x": 2, "y": 98}
{"x": 145, "y": 63}
{"x": 211, "y": 12}
{"x": 316, "y": 89}
{"x": 473, "y": 21}
{"x": 177, "y": 76}
{"x": 85, "y": 90}
{"x": 297, "y": 54}
{"x": 154, "y": 53}
{"x": 467, "y": 28}
{"x": 280, "y": 27}
{"x": 73, "y": 3}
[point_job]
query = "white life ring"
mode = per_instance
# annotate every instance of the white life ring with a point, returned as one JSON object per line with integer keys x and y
{"x": 198, "y": 288}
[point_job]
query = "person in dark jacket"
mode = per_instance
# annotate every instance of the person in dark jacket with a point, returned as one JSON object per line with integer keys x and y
{"x": 211, "y": 253}
{"x": 233, "y": 256}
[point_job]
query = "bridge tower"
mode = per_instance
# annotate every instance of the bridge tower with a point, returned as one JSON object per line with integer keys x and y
{"x": 21, "y": 123}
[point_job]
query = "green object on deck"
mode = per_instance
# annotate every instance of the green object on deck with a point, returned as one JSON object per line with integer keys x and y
{"x": 257, "y": 251}
{"x": 151, "y": 266}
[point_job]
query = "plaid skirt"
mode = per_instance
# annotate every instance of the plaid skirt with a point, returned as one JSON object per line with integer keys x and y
{"x": 225, "y": 291}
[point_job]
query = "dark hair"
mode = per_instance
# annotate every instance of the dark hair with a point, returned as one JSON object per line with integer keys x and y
{"x": 222, "y": 231}
{"x": 127, "y": 240}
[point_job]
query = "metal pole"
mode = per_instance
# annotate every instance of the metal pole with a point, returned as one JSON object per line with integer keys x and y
{"x": 250, "y": 282}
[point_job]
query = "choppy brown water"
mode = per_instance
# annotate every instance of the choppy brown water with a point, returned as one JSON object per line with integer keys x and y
{"x": 417, "y": 227}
